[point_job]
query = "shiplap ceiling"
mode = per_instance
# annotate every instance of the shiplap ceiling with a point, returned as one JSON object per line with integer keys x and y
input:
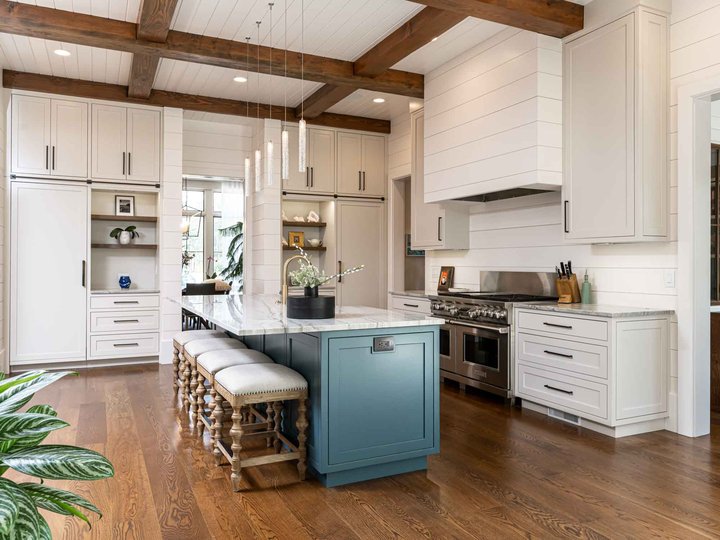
{"x": 342, "y": 29}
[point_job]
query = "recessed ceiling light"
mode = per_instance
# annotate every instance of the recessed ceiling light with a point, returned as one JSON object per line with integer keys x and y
{"x": 434, "y": 39}
{"x": 240, "y": 79}
{"x": 379, "y": 100}
{"x": 61, "y": 52}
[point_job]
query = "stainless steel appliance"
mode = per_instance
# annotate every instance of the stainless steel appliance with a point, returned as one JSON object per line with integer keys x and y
{"x": 475, "y": 342}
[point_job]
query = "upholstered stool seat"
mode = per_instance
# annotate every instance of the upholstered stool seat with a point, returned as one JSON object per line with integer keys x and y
{"x": 248, "y": 384}
{"x": 210, "y": 363}
{"x": 179, "y": 340}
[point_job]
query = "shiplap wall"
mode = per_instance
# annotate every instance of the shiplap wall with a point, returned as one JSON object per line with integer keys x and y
{"x": 215, "y": 148}
{"x": 493, "y": 117}
{"x": 4, "y": 118}
{"x": 715, "y": 122}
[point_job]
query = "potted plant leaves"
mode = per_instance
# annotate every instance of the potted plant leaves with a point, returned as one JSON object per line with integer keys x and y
{"x": 124, "y": 236}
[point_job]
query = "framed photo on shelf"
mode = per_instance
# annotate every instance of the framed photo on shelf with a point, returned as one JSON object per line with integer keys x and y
{"x": 445, "y": 281}
{"x": 124, "y": 205}
{"x": 296, "y": 238}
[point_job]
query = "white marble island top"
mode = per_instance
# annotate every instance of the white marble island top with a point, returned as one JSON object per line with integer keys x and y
{"x": 263, "y": 314}
{"x": 597, "y": 310}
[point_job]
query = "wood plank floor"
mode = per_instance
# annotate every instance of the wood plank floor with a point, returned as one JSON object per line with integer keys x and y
{"x": 501, "y": 473}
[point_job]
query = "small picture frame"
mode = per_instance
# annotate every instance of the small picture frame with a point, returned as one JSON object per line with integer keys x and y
{"x": 447, "y": 275}
{"x": 124, "y": 205}
{"x": 296, "y": 238}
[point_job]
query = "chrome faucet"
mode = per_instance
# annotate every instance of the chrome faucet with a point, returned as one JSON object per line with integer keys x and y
{"x": 284, "y": 292}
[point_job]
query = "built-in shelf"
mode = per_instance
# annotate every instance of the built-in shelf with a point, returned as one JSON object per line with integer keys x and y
{"x": 319, "y": 224}
{"x": 105, "y": 217}
{"x": 125, "y": 246}
{"x": 305, "y": 248}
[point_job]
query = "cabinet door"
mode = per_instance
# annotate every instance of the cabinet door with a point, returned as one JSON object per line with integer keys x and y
{"x": 426, "y": 219}
{"x": 298, "y": 181}
{"x": 361, "y": 240}
{"x": 599, "y": 89}
{"x": 373, "y": 165}
{"x": 30, "y": 135}
{"x": 349, "y": 163}
{"x": 143, "y": 146}
{"x": 321, "y": 159}
{"x": 108, "y": 142}
{"x": 48, "y": 242}
{"x": 69, "y": 138}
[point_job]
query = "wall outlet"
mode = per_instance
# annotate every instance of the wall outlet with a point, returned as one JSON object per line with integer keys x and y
{"x": 669, "y": 279}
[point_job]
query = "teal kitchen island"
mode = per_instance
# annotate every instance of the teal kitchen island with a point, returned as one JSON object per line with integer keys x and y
{"x": 373, "y": 380}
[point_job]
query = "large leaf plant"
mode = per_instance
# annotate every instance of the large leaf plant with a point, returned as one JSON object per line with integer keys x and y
{"x": 21, "y": 435}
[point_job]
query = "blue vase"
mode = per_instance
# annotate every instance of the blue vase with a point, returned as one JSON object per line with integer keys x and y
{"x": 124, "y": 282}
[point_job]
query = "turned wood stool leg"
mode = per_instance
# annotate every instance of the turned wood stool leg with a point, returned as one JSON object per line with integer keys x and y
{"x": 236, "y": 432}
{"x": 227, "y": 422}
{"x": 302, "y": 425}
{"x": 278, "y": 406}
{"x": 200, "y": 404}
{"x": 193, "y": 393}
{"x": 211, "y": 408}
{"x": 269, "y": 417}
{"x": 186, "y": 386}
{"x": 176, "y": 369}
{"x": 218, "y": 414}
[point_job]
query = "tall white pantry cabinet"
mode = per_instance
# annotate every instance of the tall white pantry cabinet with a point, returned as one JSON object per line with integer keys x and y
{"x": 69, "y": 158}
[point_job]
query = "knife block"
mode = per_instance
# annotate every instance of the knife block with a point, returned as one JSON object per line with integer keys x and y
{"x": 568, "y": 290}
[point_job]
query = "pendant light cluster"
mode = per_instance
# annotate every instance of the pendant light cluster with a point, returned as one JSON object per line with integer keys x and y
{"x": 247, "y": 110}
{"x": 284, "y": 135}
{"x": 258, "y": 151}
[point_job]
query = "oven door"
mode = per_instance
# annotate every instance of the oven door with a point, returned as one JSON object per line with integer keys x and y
{"x": 483, "y": 353}
{"x": 448, "y": 340}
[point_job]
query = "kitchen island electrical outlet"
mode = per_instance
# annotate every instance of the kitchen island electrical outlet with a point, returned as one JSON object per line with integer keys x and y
{"x": 669, "y": 279}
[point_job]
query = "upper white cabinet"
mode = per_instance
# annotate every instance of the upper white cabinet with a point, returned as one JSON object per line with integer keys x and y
{"x": 49, "y": 137}
{"x": 319, "y": 175}
{"x": 433, "y": 226}
{"x": 125, "y": 144}
{"x": 360, "y": 164}
{"x": 615, "y": 108}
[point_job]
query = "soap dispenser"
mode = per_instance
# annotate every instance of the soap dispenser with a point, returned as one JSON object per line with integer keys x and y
{"x": 585, "y": 292}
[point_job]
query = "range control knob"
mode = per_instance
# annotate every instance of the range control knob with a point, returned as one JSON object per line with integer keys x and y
{"x": 503, "y": 314}
{"x": 453, "y": 311}
{"x": 436, "y": 305}
{"x": 473, "y": 314}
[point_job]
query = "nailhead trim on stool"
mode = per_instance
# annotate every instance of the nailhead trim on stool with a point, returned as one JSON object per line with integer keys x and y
{"x": 179, "y": 340}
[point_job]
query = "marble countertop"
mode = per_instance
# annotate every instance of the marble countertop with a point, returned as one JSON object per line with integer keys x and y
{"x": 263, "y": 314}
{"x": 125, "y": 291}
{"x": 596, "y": 310}
{"x": 414, "y": 294}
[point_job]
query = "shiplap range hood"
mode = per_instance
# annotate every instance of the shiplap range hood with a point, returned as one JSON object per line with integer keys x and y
{"x": 493, "y": 120}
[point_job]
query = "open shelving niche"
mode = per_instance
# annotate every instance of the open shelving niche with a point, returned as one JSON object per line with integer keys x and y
{"x": 323, "y": 257}
{"x": 108, "y": 258}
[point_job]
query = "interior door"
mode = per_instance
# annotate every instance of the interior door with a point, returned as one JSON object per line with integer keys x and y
{"x": 349, "y": 163}
{"x": 362, "y": 240}
{"x": 321, "y": 152}
{"x": 143, "y": 145}
{"x": 48, "y": 254}
{"x": 69, "y": 138}
{"x": 373, "y": 162}
{"x": 109, "y": 142}
{"x": 30, "y": 135}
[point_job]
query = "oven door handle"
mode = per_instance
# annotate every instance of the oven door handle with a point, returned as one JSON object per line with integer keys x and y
{"x": 498, "y": 329}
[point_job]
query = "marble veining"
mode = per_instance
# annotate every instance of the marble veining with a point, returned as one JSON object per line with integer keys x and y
{"x": 596, "y": 310}
{"x": 263, "y": 314}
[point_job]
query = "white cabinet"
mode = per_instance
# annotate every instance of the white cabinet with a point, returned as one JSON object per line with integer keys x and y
{"x": 124, "y": 325}
{"x": 49, "y": 137}
{"x": 615, "y": 109}
{"x": 612, "y": 373}
{"x": 125, "y": 144}
{"x": 360, "y": 164}
{"x": 48, "y": 273}
{"x": 319, "y": 175}
{"x": 433, "y": 226}
{"x": 410, "y": 304}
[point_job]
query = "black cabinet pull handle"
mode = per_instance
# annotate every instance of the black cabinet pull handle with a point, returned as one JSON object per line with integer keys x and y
{"x": 312, "y": 176}
{"x": 123, "y": 162}
{"x": 565, "y": 216}
{"x": 126, "y": 302}
{"x": 569, "y": 392}
{"x": 439, "y": 228}
{"x": 53, "y": 158}
{"x": 339, "y": 271}
{"x": 364, "y": 181}
{"x": 82, "y": 279}
{"x": 565, "y": 326}
{"x": 411, "y": 305}
{"x": 553, "y": 353}
{"x": 359, "y": 180}
{"x": 126, "y": 344}
{"x": 129, "y": 163}
{"x": 47, "y": 157}
{"x": 126, "y": 321}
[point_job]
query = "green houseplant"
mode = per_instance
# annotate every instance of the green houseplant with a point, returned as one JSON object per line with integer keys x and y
{"x": 21, "y": 435}
{"x": 124, "y": 235}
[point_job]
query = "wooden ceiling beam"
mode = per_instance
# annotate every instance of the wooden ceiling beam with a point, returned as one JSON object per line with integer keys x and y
{"x": 153, "y": 25}
{"x": 115, "y": 92}
{"x": 46, "y": 23}
{"x": 556, "y": 18}
{"x": 408, "y": 38}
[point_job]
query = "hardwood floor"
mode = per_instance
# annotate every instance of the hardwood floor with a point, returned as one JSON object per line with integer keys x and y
{"x": 501, "y": 473}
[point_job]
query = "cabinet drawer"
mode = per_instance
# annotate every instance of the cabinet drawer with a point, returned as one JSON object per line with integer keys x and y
{"x": 566, "y": 326}
{"x": 123, "y": 321}
{"x": 408, "y": 303}
{"x": 583, "y": 358}
{"x": 125, "y": 301}
{"x": 114, "y": 345}
{"x": 563, "y": 391}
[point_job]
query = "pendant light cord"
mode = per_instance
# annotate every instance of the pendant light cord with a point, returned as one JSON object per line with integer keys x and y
{"x": 302, "y": 57}
{"x": 247, "y": 70}
{"x": 270, "y": 5}
{"x": 285, "y": 73}
{"x": 258, "y": 71}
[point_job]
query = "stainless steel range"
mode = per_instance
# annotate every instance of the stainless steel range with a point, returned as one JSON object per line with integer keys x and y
{"x": 475, "y": 342}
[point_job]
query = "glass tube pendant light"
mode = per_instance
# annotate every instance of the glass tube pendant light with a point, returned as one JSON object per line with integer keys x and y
{"x": 269, "y": 154}
{"x": 258, "y": 151}
{"x": 284, "y": 135}
{"x": 302, "y": 131}
{"x": 247, "y": 111}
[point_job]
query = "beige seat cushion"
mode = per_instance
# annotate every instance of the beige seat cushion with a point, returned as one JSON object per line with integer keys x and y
{"x": 215, "y": 361}
{"x": 252, "y": 379}
{"x": 181, "y": 338}
{"x": 199, "y": 346}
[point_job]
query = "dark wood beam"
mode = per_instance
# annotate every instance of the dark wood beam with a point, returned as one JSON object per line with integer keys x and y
{"x": 556, "y": 18}
{"x": 408, "y": 38}
{"x": 46, "y": 23}
{"x": 153, "y": 25}
{"x": 115, "y": 92}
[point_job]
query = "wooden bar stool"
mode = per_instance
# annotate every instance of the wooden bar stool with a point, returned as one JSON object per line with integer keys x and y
{"x": 210, "y": 363}
{"x": 179, "y": 341}
{"x": 191, "y": 351}
{"x": 248, "y": 385}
